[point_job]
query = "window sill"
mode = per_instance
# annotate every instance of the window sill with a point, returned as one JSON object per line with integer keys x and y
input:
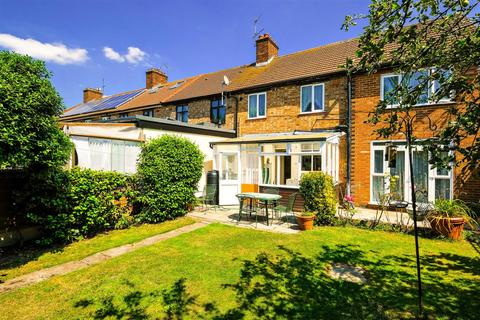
{"x": 311, "y": 112}
{"x": 425, "y": 105}
{"x": 257, "y": 118}
{"x": 279, "y": 186}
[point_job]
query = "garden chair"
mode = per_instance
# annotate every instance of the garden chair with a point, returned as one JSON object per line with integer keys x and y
{"x": 208, "y": 197}
{"x": 247, "y": 207}
{"x": 288, "y": 209}
{"x": 271, "y": 190}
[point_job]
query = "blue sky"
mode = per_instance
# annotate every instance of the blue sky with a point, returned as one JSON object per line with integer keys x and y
{"x": 182, "y": 37}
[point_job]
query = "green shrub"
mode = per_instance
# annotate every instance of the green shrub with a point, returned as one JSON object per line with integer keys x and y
{"x": 169, "y": 170}
{"x": 318, "y": 192}
{"x": 71, "y": 205}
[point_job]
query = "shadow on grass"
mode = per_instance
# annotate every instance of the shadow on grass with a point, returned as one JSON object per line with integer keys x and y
{"x": 17, "y": 256}
{"x": 293, "y": 286}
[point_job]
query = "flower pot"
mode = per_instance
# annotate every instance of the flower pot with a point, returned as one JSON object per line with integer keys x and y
{"x": 305, "y": 222}
{"x": 448, "y": 227}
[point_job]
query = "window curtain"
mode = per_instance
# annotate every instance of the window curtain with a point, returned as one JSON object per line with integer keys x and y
{"x": 306, "y": 99}
{"x": 420, "y": 173}
{"x": 399, "y": 173}
{"x": 100, "y": 150}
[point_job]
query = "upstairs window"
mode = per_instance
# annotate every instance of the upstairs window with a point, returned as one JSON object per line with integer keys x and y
{"x": 312, "y": 98}
{"x": 217, "y": 111}
{"x": 428, "y": 91}
{"x": 105, "y": 117}
{"x": 257, "y": 105}
{"x": 123, "y": 115}
{"x": 148, "y": 113}
{"x": 182, "y": 113}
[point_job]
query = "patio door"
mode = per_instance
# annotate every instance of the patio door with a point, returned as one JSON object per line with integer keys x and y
{"x": 229, "y": 165}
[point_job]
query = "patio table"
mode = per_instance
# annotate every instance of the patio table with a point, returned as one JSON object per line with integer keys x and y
{"x": 265, "y": 198}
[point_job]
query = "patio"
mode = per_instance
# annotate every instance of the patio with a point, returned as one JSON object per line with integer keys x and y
{"x": 229, "y": 215}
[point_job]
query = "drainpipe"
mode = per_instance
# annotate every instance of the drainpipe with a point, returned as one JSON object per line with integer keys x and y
{"x": 349, "y": 133}
{"x": 235, "y": 125}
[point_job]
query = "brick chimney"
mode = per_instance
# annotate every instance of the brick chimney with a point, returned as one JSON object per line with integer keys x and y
{"x": 266, "y": 48}
{"x": 155, "y": 77}
{"x": 90, "y": 94}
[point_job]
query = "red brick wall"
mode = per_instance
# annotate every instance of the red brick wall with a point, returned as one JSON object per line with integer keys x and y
{"x": 283, "y": 110}
{"x": 366, "y": 94}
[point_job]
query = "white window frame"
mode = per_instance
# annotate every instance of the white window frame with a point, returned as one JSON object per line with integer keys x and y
{"x": 431, "y": 89}
{"x": 432, "y": 174}
{"x": 313, "y": 98}
{"x": 382, "y": 86}
{"x": 257, "y": 98}
{"x": 322, "y": 152}
{"x": 375, "y": 174}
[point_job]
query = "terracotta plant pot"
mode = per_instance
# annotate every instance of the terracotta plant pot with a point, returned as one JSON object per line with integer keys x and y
{"x": 448, "y": 227}
{"x": 305, "y": 222}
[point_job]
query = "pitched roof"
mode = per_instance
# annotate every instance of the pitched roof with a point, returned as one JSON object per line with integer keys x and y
{"x": 159, "y": 94}
{"x": 318, "y": 61}
{"x": 207, "y": 84}
{"x": 106, "y": 103}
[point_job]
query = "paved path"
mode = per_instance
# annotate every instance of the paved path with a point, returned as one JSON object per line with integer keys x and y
{"x": 229, "y": 216}
{"x": 68, "y": 267}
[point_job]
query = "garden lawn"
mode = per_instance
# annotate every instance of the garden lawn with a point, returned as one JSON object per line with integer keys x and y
{"x": 182, "y": 274}
{"x": 14, "y": 265}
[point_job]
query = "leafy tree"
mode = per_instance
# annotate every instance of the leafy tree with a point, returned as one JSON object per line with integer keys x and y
{"x": 30, "y": 137}
{"x": 409, "y": 35}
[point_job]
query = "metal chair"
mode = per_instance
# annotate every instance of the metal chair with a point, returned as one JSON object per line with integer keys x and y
{"x": 271, "y": 190}
{"x": 279, "y": 209}
{"x": 208, "y": 197}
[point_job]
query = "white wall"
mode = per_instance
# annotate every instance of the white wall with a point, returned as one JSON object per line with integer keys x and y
{"x": 90, "y": 132}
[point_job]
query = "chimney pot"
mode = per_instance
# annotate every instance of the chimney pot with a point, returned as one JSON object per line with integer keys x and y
{"x": 155, "y": 77}
{"x": 266, "y": 49}
{"x": 90, "y": 94}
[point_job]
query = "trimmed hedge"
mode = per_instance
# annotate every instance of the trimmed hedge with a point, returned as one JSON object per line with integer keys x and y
{"x": 318, "y": 191}
{"x": 71, "y": 205}
{"x": 168, "y": 173}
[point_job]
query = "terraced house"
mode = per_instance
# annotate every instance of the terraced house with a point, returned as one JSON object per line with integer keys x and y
{"x": 267, "y": 123}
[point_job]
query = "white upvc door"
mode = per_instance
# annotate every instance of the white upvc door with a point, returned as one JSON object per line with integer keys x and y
{"x": 229, "y": 169}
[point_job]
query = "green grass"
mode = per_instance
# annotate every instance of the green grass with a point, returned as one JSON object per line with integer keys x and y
{"x": 290, "y": 280}
{"x": 22, "y": 261}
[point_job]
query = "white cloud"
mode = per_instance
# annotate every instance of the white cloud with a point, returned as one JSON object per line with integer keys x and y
{"x": 113, "y": 55}
{"x": 52, "y": 52}
{"x": 134, "y": 55}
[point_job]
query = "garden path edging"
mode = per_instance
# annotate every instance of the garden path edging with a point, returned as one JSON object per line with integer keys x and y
{"x": 44, "y": 274}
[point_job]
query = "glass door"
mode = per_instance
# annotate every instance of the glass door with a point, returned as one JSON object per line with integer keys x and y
{"x": 229, "y": 177}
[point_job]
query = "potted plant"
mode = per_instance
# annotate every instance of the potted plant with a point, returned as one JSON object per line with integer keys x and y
{"x": 305, "y": 220}
{"x": 449, "y": 216}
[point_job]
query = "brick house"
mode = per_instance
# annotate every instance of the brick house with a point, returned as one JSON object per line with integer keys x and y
{"x": 290, "y": 114}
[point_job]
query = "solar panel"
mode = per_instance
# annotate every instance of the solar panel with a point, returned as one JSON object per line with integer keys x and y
{"x": 106, "y": 103}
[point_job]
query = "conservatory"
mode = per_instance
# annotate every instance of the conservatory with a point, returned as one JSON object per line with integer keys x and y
{"x": 251, "y": 162}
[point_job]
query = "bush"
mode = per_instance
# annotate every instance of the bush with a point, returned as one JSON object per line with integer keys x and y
{"x": 169, "y": 170}
{"x": 318, "y": 192}
{"x": 72, "y": 205}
